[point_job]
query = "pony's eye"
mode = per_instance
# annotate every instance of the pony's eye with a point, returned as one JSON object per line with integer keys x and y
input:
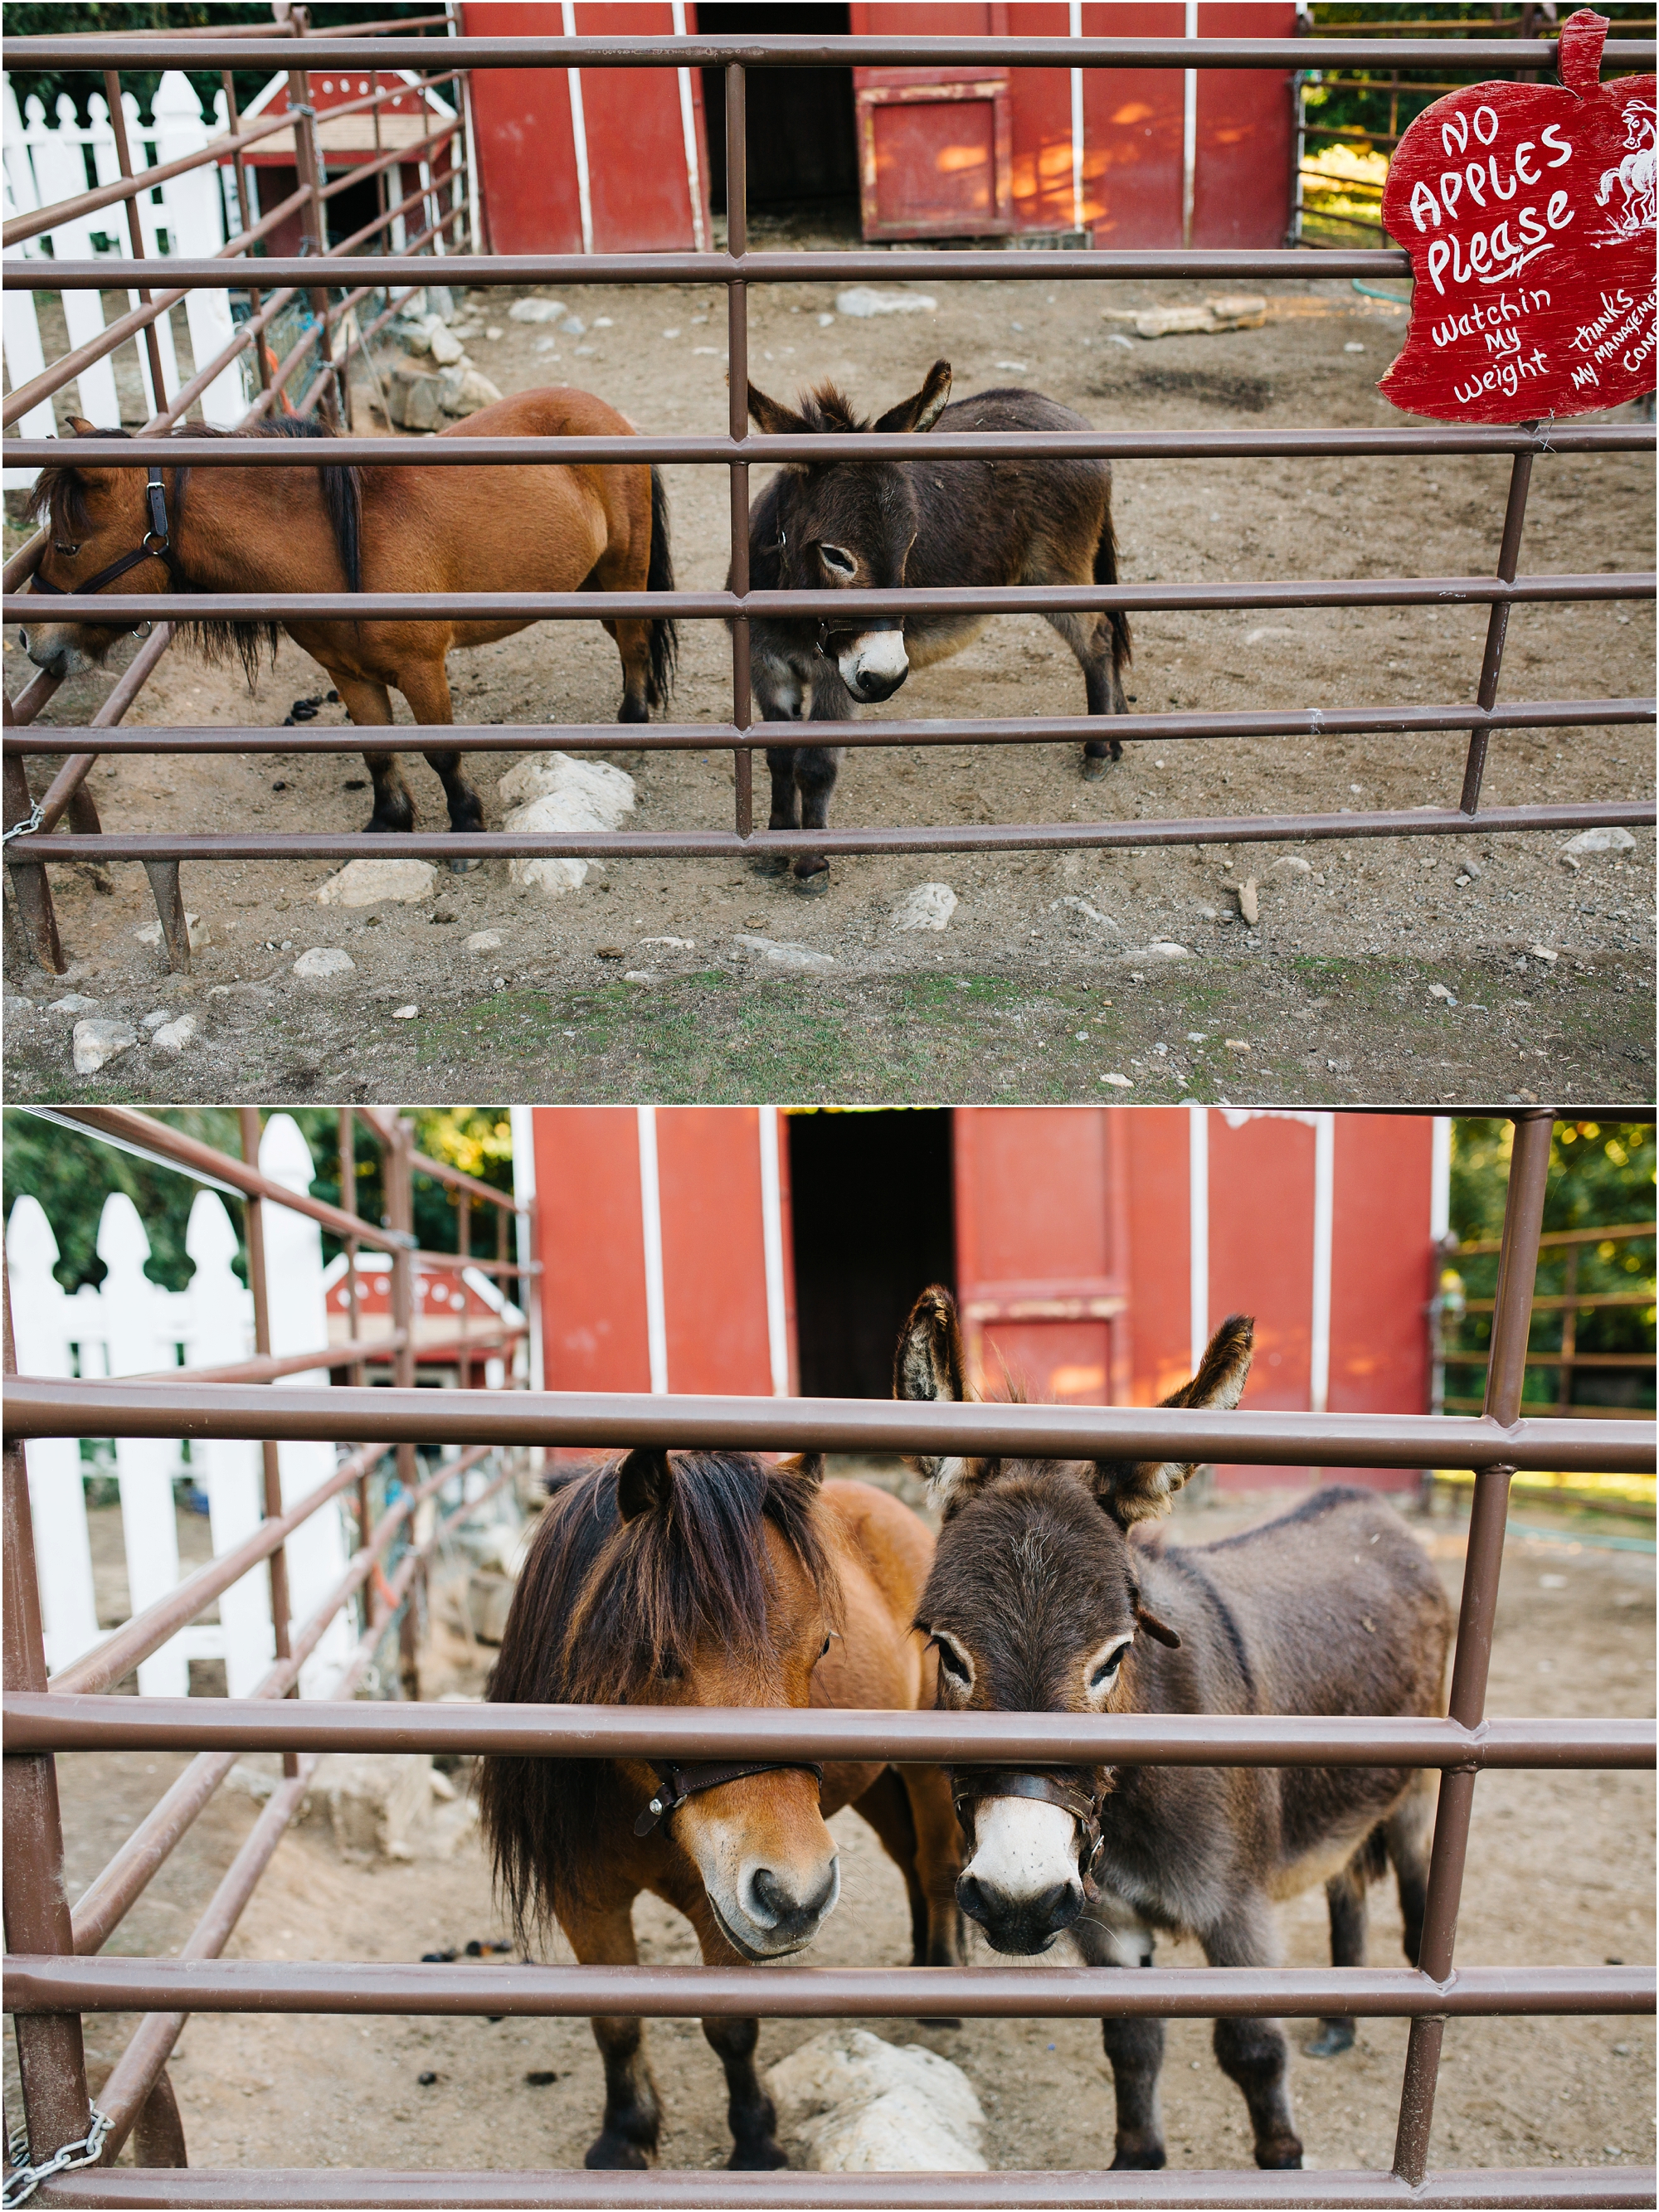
{"x": 824, "y": 1653}
{"x": 69, "y": 551}
{"x": 838, "y": 561}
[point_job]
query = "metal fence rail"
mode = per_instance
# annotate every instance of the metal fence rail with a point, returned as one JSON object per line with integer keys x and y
{"x": 737, "y": 269}
{"x": 50, "y": 1980}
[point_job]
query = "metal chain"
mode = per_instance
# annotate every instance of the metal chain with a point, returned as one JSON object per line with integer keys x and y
{"x": 24, "y": 2179}
{"x": 26, "y": 827}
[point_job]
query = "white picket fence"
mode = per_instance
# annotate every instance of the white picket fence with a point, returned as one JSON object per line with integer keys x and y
{"x": 193, "y": 215}
{"x": 129, "y": 1325}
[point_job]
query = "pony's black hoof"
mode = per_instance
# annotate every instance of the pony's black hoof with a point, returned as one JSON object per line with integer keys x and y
{"x": 1094, "y": 765}
{"x": 377, "y": 825}
{"x": 815, "y": 885}
{"x": 759, "y": 2155}
{"x": 1335, "y": 2037}
{"x": 1148, "y": 2160}
{"x": 951, "y": 2024}
{"x": 632, "y": 710}
{"x": 615, "y": 2153}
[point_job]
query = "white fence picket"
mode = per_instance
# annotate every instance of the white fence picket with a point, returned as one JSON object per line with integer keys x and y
{"x": 60, "y": 173}
{"x": 196, "y": 228}
{"x": 25, "y": 355}
{"x": 57, "y": 1497}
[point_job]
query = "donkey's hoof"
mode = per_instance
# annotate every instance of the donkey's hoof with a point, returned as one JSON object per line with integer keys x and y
{"x": 815, "y": 885}
{"x": 1147, "y": 2159}
{"x": 1282, "y": 2155}
{"x": 462, "y": 867}
{"x": 614, "y": 2152}
{"x": 951, "y": 2024}
{"x": 760, "y": 2154}
{"x": 1335, "y": 2037}
{"x": 1094, "y": 765}
{"x": 769, "y": 864}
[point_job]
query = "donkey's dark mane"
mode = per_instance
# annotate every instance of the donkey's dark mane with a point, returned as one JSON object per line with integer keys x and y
{"x": 58, "y": 499}
{"x": 607, "y": 1609}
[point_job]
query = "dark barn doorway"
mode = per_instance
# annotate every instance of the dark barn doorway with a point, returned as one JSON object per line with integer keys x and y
{"x": 871, "y": 1197}
{"x": 803, "y": 143}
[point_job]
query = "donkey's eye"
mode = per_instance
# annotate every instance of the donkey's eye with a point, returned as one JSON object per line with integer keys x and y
{"x": 1106, "y": 1673}
{"x": 951, "y": 1660}
{"x": 837, "y": 561}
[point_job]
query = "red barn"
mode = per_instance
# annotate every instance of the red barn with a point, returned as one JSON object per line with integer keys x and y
{"x": 406, "y": 123}
{"x": 756, "y": 1252}
{"x": 617, "y": 160}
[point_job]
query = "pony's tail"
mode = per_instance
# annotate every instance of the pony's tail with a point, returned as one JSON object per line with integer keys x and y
{"x": 1106, "y": 572}
{"x": 659, "y": 577}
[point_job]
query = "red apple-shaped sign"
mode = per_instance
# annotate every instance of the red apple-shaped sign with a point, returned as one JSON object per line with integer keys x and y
{"x": 1528, "y": 210}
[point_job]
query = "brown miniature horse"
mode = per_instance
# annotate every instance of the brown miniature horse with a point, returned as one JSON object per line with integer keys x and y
{"x": 1040, "y": 1601}
{"x": 550, "y": 527}
{"x": 712, "y": 1579}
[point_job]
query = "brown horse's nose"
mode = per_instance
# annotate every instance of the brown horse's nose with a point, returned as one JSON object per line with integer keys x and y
{"x": 773, "y": 1904}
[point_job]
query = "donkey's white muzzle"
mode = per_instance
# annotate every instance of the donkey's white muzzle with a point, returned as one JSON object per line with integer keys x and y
{"x": 874, "y": 664}
{"x": 1022, "y": 1884}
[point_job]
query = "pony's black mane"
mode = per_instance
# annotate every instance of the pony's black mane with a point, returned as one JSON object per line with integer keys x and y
{"x": 58, "y": 499}
{"x": 605, "y": 1610}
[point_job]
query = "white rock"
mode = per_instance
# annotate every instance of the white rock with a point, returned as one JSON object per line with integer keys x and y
{"x": 784, "y": 955}
{"x": 196, "y": 928}
{"x": 1249, "y": 904}
{"x": 324, "y": 960}
{"x": 1601, "y": 840}
{"x": 16, "y": 1006}
{"x": 466, "y": 390}
{"x": 1440, "y": 991}
{"x": 443, "y": 345}
{"x": 1088, "y": 910}
{"x": 535, "y": 311}
{"x": 1267, "y": 631}
{"x": 1292, "y": 864}
{"x": 1160, "y": 949}
{"x": 857, "y": 2105}
{"x": 559, "y": 792}
{"x": 864, "y": 299}
{"x": 930, "y": 906}
{"x": 1118, "y": 1082}
{"x": 96, "y": 1043}
{"x": 485, "y": 940}
{"x": 404, "y": 1013}
{"x": 154, "y": 1021}
{"x": 366, "y": 883}
{"x": 76, "y": 1003}
{"x": 678, "y": 944}
{"x": 1543, "y": 952}
{"x": 176, "y": 1036}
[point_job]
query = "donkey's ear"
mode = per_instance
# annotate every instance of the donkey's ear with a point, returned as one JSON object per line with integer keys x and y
{"x": 806, "y": 1467}
{"x": 644, "y": 1482}
{"x": 922, "y": 409}
{"x": 1135, "y": 1490}
{"x": 928, "y": 1366}
{"x": 80, "y": 427}
{"x": 773, "y": 418}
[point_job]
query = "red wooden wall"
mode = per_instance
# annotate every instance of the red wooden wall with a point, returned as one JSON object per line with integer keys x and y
{"x": 641, "y": 197}
{"x": 638, "y": 182}
{"x": 1077, "y": 1270}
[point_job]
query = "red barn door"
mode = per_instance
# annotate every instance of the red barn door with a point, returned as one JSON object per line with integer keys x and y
{"x": 1041, "y": 1251}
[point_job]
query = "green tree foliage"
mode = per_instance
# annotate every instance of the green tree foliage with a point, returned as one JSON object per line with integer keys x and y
{"x": 72, "y": 1174}
{"x": 1601, "y": 1175}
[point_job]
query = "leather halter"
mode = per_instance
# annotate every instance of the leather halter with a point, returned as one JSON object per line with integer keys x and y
{"x": 675, "y": 1784}
{"x": 157, "y": 546}
{"x": 1065, "y": 1786}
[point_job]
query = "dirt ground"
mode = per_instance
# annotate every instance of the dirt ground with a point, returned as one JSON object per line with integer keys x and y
{"x": 1560, "y": 1869}
{"x": 1041, "y": 986}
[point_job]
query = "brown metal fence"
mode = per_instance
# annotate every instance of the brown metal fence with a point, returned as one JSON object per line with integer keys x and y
{"x": 51, "y": 1978}
{"x": 29, "y": 825}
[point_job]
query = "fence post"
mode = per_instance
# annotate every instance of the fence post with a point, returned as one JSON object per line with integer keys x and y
{"x": 220, "y": 1331}
{"x": 111, "y": 153}
{"x": 1517, "y": 1269}
{"x": 308, "y": 169}
{"x": 400, "y": 1216}
{"x": 281, "y": 1612}
{"x": 58, "y": 1497}
{"x": 50, "y": 2055}
{"x": 737, "y": 332}
{"x": 144, "y": 1465}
